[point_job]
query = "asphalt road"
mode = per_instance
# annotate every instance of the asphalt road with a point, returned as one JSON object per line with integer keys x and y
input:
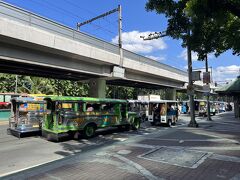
{"x": 20, "y": 154}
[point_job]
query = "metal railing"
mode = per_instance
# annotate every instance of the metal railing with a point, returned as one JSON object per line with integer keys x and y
{"x": 20, "y": 15}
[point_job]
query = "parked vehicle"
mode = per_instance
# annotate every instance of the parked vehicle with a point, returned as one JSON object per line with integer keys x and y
{"x": 220, "y": 106}
{"x": 26, "y": 116}
{"x": 140, "y": 107}
{"x": 201, "y": 107}
{"x": 163, "y": 112}
{"x": 69, "y": 115}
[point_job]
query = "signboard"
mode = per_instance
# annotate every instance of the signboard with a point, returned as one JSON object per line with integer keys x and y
{"x": 154, "y": 97}
{"x": 118, "y": 72}
{"x": 196, "y": 75}
{"x": 33, "y": 107}
{"x": 66, "y": 105}
{"x": 143, "y": 98}
{"x": 206, "y": 77}
{"x": 150, "y": 97}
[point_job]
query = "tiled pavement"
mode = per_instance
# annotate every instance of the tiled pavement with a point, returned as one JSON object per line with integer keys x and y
{"x": 211, "y": 151}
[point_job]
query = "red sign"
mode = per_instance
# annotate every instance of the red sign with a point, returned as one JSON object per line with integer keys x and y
{"x": 206, "y": 77}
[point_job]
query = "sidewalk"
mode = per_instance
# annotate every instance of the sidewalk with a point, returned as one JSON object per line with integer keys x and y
{"x": 211, "y": 151}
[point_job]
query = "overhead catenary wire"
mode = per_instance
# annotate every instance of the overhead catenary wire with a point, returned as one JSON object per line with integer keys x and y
{"x": 70, "y": 14}
{"x": 115, "y": 24}
{"x": 51, "y": 5}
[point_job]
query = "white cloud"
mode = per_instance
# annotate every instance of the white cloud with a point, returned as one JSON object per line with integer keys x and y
{"x": 157, "y": 58}
{"x": 194, "y": 55}
{"x": 222, "y": 74}
{"x": 133, "y": 42}
{"x": 184, "y": 55}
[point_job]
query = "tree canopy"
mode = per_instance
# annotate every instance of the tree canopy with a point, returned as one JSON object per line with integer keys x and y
{"x": 214, "y": 24}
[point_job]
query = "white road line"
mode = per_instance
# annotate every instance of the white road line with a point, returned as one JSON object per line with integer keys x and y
{"x": 141, "y": 145}
{"x": 236, "y": 177}
{"x": 225, "y": 158}
{"x": 140, "y": 168}
{"x": 197, "y": 140}
{"x": 29, "y": 167}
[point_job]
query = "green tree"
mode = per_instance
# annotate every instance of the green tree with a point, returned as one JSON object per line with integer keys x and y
{"x": 34, "y": 85}
{"x": 7, "y": 83}
{"x": 214, "y": 24}
{"x": 69, "y": 88}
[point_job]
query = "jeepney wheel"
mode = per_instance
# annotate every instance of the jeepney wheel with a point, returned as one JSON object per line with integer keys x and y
{"x": 89, "y": 131}
{"x": 136, "y": 124}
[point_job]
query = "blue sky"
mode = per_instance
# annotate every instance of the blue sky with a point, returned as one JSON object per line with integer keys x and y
{"x": 136, "y": 21}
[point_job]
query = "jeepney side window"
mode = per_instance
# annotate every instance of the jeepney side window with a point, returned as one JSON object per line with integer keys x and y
{"x": 97, "y": 107}
{"x": 90, "y": 107}
{"x": 123, "y": 110}
{"x": 7, "y": 98}
{"x": 150, "y": 109}
{"x": 50, "y": 107}
{"x": 107, "y": 107}
{"x": 80, "y": 106}
{"x": 130, "y": 106}
{"x": 1, "y": 98}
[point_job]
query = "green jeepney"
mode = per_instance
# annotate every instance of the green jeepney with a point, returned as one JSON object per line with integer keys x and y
{"x": 69, "y": 115}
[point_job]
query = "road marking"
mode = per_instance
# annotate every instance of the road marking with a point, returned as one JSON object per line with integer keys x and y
{"x": 53, "y": 177}
{"x": 124, "y": 152}
{"x": 236, "y": 177}
{"x": 211, "y": 148}
{"x": 225, "y": 158}
{"x": 140, "y": 168}
{"x": 29, "y": 167}
{"x": 141, "y": 145}
{"x": 197, "y": 140}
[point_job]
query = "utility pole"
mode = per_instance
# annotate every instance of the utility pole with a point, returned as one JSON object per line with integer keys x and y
{"x": 157, "y": 35}
{"x": 208, "y": 103}
{"x": 120, "y": 34}
{"x": 119, "y": 10}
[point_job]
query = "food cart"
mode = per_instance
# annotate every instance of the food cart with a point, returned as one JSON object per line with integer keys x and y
{"x": 26, "y": 116}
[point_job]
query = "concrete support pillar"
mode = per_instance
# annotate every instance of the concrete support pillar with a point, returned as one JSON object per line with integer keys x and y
{"x": 97, "y": 88}
{"x": 171, "y": 94}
